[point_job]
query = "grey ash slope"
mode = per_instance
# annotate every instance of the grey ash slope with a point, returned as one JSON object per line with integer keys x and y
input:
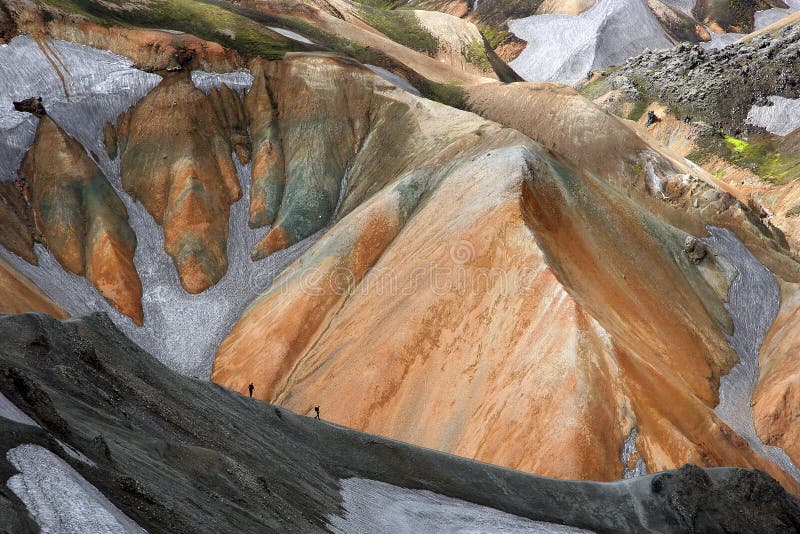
{"x": 180, "y": 455}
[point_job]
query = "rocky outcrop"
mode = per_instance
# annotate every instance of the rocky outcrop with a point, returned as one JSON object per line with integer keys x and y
{"x": 721, "y": 85}
{"x": 678, "y": 25}
{"x": 80, "y": 218}
{"x": 180, "y": 168}
{"x": 695, "y": 250}
{"x": 8, "y": 28}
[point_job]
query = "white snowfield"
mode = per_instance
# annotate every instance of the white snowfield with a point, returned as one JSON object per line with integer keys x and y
{"x": 377, "y": 507}
{"x": 564, "y": 48}
{"x": 59, "y": 499}
{"x": 239, "y": 80}
{"x": 781, "y": 118}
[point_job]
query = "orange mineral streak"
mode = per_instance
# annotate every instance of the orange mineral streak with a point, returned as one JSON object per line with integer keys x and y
{"x": 20, "y": 295}
{"x": 180, "y": 168}
{"x": 514, "y": 314}
{"x": 80, "y": 217}
{"x": 776, "y": 398}
{"x": 276, "y": 239}
{"x": 399, "y": 353}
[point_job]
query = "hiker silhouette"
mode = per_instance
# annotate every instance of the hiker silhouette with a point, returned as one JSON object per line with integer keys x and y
{"x": 316, "y": 409}
{"x": 251, "y": 388}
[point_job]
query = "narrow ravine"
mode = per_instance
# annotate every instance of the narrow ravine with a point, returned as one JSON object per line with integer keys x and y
{"x": 753, "y": 303}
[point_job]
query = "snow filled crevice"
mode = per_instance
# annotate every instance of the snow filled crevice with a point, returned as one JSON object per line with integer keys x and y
{"x": 292, "y": 35}
{"x": 182, "y": 330}
{"x": 59, "y": 499}
{"x": 753, "y": 303}
{"x": 100, "y": 86}
{"x": 372, "y": 506}
{"x": 627, "y": 455}
{"x": 9, "y": 410}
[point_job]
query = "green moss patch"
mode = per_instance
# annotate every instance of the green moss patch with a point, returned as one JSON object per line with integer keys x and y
{"x": 401, "y": 26}
{"x": 758, "y": 153}
{"x": 475, "y": 52}
{"x": 209, "y": 21}
{"x": 739, "y": 145}
{"x": 639, "y": 108}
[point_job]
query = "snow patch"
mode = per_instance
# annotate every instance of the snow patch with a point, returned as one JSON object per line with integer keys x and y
{"x": 239, "y": 80}
{"x": 292, "y": 35}
{"x": 780, "y": 118}
{"x": 75, "y": 453}
{"x": 629, "y": 452}
{"x": 394, "y": 79}
{"x": 10, "y": 411}
{"x": 60, "y": 499}
{"x": 372, "y": 506}
{"x": 770, "y": 16}
{"x": 564, "y": 48}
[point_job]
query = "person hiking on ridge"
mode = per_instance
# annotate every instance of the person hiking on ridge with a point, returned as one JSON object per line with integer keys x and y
{"x": 316, "y": 409}
{"x": 250, "y": 388}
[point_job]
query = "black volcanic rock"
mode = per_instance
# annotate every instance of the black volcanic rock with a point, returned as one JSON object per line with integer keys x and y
{"x": 721, "y": 85}
{"x": 31, "y": 105}
{"x": 182, "y": 455}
